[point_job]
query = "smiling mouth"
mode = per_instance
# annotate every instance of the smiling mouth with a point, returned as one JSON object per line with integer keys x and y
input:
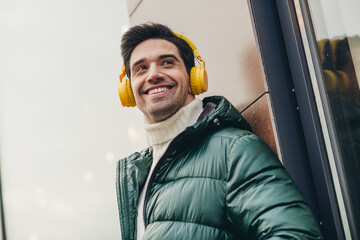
{"x": 157, "y": 90}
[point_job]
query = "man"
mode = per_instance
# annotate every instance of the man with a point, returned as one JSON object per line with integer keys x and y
{"x": 205, "y": 175}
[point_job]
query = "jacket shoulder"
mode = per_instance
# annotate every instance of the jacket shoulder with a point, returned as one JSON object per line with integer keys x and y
{"x": 136, "y": 155}
{"x": 237, "y": 137}
{"x": 232, "y": 133}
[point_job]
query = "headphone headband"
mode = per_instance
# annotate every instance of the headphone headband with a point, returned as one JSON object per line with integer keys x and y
{"x": 186, "y": 40}
{"x": 192, "y": 46}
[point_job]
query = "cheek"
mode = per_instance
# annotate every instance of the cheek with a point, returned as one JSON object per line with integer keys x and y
{"x": 134, "y": 88}
{"x": 186, "y": 83}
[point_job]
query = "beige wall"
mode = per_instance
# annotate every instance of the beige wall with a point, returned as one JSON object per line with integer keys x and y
{"x": 223, "y": 33}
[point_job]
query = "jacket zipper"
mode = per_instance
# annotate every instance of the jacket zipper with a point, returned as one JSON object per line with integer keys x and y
{"x": 147, "y": 186}
{"x": 122, "y": 199}
{"x": 155, "y": 168}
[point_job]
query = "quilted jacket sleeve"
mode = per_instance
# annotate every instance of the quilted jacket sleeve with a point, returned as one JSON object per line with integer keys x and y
{"x": 262, "y": 200}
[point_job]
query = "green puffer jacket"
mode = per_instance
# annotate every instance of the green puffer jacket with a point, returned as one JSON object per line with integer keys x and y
{"x": 215, "y": 181}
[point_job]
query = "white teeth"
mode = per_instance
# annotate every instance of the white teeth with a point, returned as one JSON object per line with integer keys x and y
{"x": 157, "y": 90}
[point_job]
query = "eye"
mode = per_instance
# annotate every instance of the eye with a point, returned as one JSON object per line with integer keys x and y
{"x": 168, "y": 62}
{"x": 140, "y": 68}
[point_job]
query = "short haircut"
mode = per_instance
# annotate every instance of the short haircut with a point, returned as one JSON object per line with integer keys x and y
{"x": 139, "y": 33}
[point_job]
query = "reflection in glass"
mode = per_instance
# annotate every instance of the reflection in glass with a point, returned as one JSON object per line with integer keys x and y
{"x": 338, "y": 42}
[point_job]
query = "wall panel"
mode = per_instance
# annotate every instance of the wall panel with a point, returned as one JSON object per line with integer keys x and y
{"x": 223, "y": 34}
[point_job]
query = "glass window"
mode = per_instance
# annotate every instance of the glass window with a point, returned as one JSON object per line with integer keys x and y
{"x": 336, "y": 27}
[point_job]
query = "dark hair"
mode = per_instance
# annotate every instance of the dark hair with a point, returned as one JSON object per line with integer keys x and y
{"x": 139, "y": 33}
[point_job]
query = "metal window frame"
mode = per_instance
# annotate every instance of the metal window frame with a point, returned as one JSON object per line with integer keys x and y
{"x": 324, "y": 110}
{"x": 294, "y": 108}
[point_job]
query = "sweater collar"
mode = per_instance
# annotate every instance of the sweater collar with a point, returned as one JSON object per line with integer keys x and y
{"x": 168, "y": 129}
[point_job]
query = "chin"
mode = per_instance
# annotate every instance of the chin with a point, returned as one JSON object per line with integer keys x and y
{"x": 161, "y": 114}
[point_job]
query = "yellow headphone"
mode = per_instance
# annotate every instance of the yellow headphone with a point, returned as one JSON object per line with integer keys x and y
{"x": 198, "y": 79}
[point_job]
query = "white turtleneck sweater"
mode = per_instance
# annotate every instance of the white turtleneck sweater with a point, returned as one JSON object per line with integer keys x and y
{"x": 159, "y": 136}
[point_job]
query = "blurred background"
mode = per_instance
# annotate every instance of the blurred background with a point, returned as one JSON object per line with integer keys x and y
{"x": 62, "y": 127}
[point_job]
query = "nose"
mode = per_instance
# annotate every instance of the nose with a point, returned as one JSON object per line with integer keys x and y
{"x": 155, "y": 74}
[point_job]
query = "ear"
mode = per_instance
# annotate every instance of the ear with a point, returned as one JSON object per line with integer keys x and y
{"x": 189, "y": 90}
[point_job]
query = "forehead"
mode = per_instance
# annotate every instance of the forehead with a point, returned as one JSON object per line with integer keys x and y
{"x": 152, "y": 49}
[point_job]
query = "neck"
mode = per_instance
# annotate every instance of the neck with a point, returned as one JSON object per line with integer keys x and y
{"x": 168, "y": 129}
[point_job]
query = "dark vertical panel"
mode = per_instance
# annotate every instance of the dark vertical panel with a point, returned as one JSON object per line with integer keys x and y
{"x": 292, "y": 100}
{"x": 283, "y": 100}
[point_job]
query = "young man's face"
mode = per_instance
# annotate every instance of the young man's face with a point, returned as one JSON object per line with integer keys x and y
{"x": 159, "y": 79}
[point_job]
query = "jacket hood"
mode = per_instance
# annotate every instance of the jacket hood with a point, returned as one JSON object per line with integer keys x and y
{"x": 218, "y": 113}
{"x": 225, "y": 112}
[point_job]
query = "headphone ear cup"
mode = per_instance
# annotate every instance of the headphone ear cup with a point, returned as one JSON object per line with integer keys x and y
{"x": 125, "y": 93}
{"x": 331, "y": 81}
{"x": 198, "y": 80}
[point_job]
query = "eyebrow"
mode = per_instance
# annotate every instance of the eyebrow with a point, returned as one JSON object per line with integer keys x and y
{"x": 169, "y": 56}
